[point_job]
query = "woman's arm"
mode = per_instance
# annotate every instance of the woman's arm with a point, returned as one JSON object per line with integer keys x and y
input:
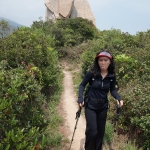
{"x": 114, "y": 92}
{"x": 82, "y": 85}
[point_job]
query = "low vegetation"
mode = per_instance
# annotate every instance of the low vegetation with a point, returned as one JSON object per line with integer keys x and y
{"x": 31, "y": 81}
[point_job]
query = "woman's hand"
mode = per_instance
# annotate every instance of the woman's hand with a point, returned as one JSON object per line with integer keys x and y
{"x": 81, "y": 104}
{"x": 120, "y": 103}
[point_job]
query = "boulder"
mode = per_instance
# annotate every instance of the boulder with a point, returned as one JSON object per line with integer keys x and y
{"x": 65, "y": 7}
{"x": 61, "y": 9}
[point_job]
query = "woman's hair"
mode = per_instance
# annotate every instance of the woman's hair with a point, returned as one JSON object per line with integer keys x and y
{"x": 95, "y": 69}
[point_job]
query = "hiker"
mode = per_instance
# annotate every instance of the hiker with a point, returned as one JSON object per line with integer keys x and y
{"x": 101, "y": 78}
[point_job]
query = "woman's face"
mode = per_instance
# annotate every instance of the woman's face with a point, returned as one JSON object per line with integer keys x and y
{"x": 103, "y": 63}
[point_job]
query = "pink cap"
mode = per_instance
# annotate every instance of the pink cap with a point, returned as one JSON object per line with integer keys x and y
{"x": 105, "y": 54}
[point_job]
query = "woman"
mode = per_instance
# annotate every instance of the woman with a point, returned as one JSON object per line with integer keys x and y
{"x": 101, "y": 79}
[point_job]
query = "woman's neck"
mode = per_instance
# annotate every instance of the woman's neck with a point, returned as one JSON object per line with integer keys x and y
{"x": 104, "y": 73}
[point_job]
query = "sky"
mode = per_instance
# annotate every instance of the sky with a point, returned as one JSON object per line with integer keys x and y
{"x": 127, "y": 15}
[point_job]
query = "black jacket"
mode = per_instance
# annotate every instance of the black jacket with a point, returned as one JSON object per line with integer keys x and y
{"x": 99, "y": 87}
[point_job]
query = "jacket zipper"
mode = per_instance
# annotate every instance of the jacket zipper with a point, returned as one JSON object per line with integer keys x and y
{"x": 102, "y": 83}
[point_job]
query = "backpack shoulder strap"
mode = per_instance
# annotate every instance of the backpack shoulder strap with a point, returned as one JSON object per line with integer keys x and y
{"x": 89, "y": 85}
{"x": 116, "y": 84}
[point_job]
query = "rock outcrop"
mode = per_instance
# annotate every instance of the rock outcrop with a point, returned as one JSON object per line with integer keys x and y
{"x": 61, "y": 9}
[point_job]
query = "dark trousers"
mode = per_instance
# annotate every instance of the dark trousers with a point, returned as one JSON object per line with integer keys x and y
{"x": 95, "y": 128}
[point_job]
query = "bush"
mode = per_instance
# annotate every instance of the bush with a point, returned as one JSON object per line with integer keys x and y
{"x": 68, "y": 32}
{"x": 29, "y": 47}
{"x": 22, "y": 122}
{"x": 136, "y": 111}
{"x": 126, "y": 67}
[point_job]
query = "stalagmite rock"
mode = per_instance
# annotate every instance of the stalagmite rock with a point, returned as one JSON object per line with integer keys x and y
{"x": 65, "y": 7}
{"x": 83, "y": 10}
{"x": 60, "y": 9}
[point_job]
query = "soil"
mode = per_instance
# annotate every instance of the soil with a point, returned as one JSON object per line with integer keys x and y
{"x": 68, "y": 108}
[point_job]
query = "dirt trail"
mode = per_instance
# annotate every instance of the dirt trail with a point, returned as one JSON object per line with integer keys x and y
{"x": 70, "y": 107}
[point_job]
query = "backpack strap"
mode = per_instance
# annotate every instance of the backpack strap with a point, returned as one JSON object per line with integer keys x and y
{"x": 89, "y": 86}
{"x": 116, "y": 84}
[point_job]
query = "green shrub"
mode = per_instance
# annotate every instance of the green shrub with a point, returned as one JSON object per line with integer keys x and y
{"x": 136, "y": 111}
{"x": 77, "y": 30}
{"x": 28, "y": 47}
{"x": 22, "y": 122}
{"x": 68, "y": 32}
{"x": 126, "y": 67}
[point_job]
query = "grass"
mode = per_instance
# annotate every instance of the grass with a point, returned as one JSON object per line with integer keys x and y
{"x": 76, "y": 80}
{"x": 55, "y": 140}
{"x": 109, "y": 132}
{"x": 129, "y": 146}
{"x": 54, "y": 137}
{"x": 110, "y": 136}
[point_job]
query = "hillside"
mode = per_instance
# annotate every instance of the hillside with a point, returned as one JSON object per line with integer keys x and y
{"x": 11, "y": 24}
{"x": 41, "y": 69}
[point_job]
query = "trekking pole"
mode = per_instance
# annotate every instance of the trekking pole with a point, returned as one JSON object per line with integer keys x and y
{"x": 117, "y": 117}
{"x": 118, "y": 111}
{"x": 77, "y": 117}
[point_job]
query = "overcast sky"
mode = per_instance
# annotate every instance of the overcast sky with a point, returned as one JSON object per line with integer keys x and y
{"x": 127, "y": 15}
